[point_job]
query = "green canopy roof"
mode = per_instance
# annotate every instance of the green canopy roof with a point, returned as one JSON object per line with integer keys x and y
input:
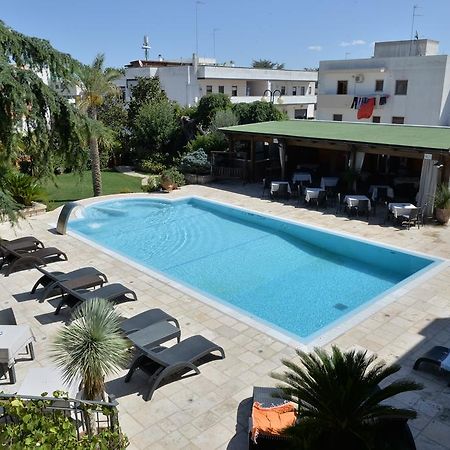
{"x": 425, "y": 137}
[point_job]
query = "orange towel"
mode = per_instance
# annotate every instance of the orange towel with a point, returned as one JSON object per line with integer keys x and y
{"x": 273, "y": 420}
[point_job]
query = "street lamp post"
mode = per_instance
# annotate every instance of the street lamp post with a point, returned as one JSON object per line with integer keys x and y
{"x": 272, "y": 94}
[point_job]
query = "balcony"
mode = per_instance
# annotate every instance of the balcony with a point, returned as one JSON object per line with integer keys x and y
{"x": 283, "y": 100}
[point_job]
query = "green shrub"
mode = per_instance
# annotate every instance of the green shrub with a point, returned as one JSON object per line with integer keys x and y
{"x": 257, "y": 112}
{"x": 195, "y": 162}
{"x": 151, "y": 166}
{"x": 23, "y": 188}
{"x": 214, "y": 141}
{"x": 208, "y": 107}
{"x": 172, "y": 177}
{"x": 153, "y": 184}
{"x": 224, "y": 118}
{"x": 33, "y": 429}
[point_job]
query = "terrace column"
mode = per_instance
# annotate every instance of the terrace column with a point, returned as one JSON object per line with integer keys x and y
{"x": 282, "y": 150}
{"x": 252, "y": 159}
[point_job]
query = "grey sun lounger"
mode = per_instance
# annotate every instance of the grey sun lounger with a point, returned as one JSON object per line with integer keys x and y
{"x": 114, "y": 292}
{"x": 23, "y": 243}
{"x": 20, "y": 258}
{"x": 84, "y": 278}
{"x": 146, "y": 318}
{"x": 435, "y": 356}
{"x": 169, "y": 361}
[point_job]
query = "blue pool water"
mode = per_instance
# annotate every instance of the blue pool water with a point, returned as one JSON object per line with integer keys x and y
{"x": 297, "y": 278}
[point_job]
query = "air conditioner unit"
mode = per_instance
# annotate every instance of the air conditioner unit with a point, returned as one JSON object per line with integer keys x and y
{"x": 359, "y": 78}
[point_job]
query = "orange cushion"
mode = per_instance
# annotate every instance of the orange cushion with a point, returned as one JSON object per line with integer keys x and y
{"x": 272, "y": 420}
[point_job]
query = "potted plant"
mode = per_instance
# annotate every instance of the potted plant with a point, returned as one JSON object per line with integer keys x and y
{"x": 442, "y": 203}
{"x": 196, "y": 167}
{"x": 74, "y": 352}
{"x": 342, "y": 402}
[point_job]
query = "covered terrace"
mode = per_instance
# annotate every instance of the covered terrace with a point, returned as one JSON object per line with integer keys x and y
{"x": 411, "y": 159}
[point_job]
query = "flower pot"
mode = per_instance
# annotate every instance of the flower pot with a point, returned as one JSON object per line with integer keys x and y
{"x": 442, "y": 215}
{"x": 168, "y": 186}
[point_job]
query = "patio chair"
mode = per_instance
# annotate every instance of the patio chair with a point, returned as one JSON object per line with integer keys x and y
{"x": 7, "y": 317}
{"x": 259, "y": 438}
{"x": 266, "y": 186}
{"x": 320, "y": 200}
{"x": 182, "y": 357}
{"x": 115, "y": 293}
{"x": 146, "y": 318}
{"x": 282, "y": 192}
{"x": 362, "y": 208}
{"x": 436, "y": 356}
{"x": 39, "y": 257}
{"x": 413, "y": 218}
{"x": 84, "y": 278}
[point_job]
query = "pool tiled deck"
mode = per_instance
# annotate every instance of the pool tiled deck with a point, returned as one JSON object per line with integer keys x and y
{"x": 208, "y": 411}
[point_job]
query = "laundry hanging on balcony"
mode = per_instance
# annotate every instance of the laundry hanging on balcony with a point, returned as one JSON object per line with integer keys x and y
{"x": 366, "y": 109}
{"x": 359, "y": 101}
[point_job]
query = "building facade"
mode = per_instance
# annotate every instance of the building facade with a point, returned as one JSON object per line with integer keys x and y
{"x": 404, "y": 82}
{"x": 292, "y": 91}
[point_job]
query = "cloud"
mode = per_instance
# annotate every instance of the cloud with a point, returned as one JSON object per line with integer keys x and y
{"x": 354, "y": 42}
{"x": 315, "y": 48}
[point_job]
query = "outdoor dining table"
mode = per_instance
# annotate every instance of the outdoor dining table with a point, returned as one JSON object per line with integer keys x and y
{"x": 353, "y": 200}
{"x": 13, "y": 339}
{"x": 301, "y": 176}
{"x": 275, "y": 185}
{"x": 373, "y": 190}
{"x": 401, "y": 209}
{"x": 48, "y": 379}
{"x": 329, "y": 182}
{"x": 312, "y": 193}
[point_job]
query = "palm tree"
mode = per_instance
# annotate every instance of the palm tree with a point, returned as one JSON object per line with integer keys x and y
{"x": 91, "y": 347}
{"x": 340, "y": 401}
{"x": 96, "y": 84}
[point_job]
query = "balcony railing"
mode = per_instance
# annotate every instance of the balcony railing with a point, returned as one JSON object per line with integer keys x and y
{"x": 283, "y": 100}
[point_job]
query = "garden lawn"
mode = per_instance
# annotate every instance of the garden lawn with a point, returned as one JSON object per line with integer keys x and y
{"x": 70, "y": 187}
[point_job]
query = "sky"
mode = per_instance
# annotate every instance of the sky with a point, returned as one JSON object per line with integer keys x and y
{"x": 297, "y": 33}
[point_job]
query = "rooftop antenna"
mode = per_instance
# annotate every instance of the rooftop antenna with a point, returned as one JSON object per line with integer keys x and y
{"x": 414, "y": 15}
{"x": 214, "y": 41}
{"x": 197, "y": 3}
{"x": 146, "y": 47}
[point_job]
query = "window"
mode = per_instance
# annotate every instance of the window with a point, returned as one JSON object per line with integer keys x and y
{"x": 376, "y": 119}
{"x": 294, "y": 90}
{"x": 398, "y": 119}
{"x": 300, "y": 113}
{"x": 283, "y": 90}
{"x": 379, "y": 85}
{"x": 337, "y": 117}
{"x": 234, "y": 91}
{"x": 401, "y": 87}
{"x": 302, "y": 90}
{"x": 221, "y": 89}
{"x": 309, "y": 90}
{"x": 209, "y": 89}
{"x": 342, "y": 87}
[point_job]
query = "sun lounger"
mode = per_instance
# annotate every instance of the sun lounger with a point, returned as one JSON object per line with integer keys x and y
{"x": 20, "y": 258}
{"x": 269, "y": 408}
{"x": 84, "y": 278}
{"x": 438, "y": 356}
{"x": 24, "y": 243}
{"x": 146, "y": 318}
{"x": 115, "y": 292}
{"x": 182, "y": 357}
{"x": 7, "y": 317}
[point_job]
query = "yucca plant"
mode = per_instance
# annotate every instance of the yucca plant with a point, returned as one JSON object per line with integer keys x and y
{"x": 341, "y": 400}
{"x": 91, "y": 347}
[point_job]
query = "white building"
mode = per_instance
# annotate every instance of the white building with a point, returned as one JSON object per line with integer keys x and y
{"x": 293, "y": 91}
{"x": 411, "y": 76}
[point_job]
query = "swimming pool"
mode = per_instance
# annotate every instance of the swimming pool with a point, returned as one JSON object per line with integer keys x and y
{"x": 297, "y": 278}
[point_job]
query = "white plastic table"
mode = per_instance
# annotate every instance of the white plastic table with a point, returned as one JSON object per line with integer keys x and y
{"x": 401, "y": 209}
{"x": 373, "y": 190}
{"x": 312, "y": 193}
{"x": 353, "y": 200}
{"x": 301, "y": 176}
{"x": 329, "y": 182}
{"x": 47, "y": 379}
{"x": 275, "y": 185}
{"x": 13, "y": 339}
